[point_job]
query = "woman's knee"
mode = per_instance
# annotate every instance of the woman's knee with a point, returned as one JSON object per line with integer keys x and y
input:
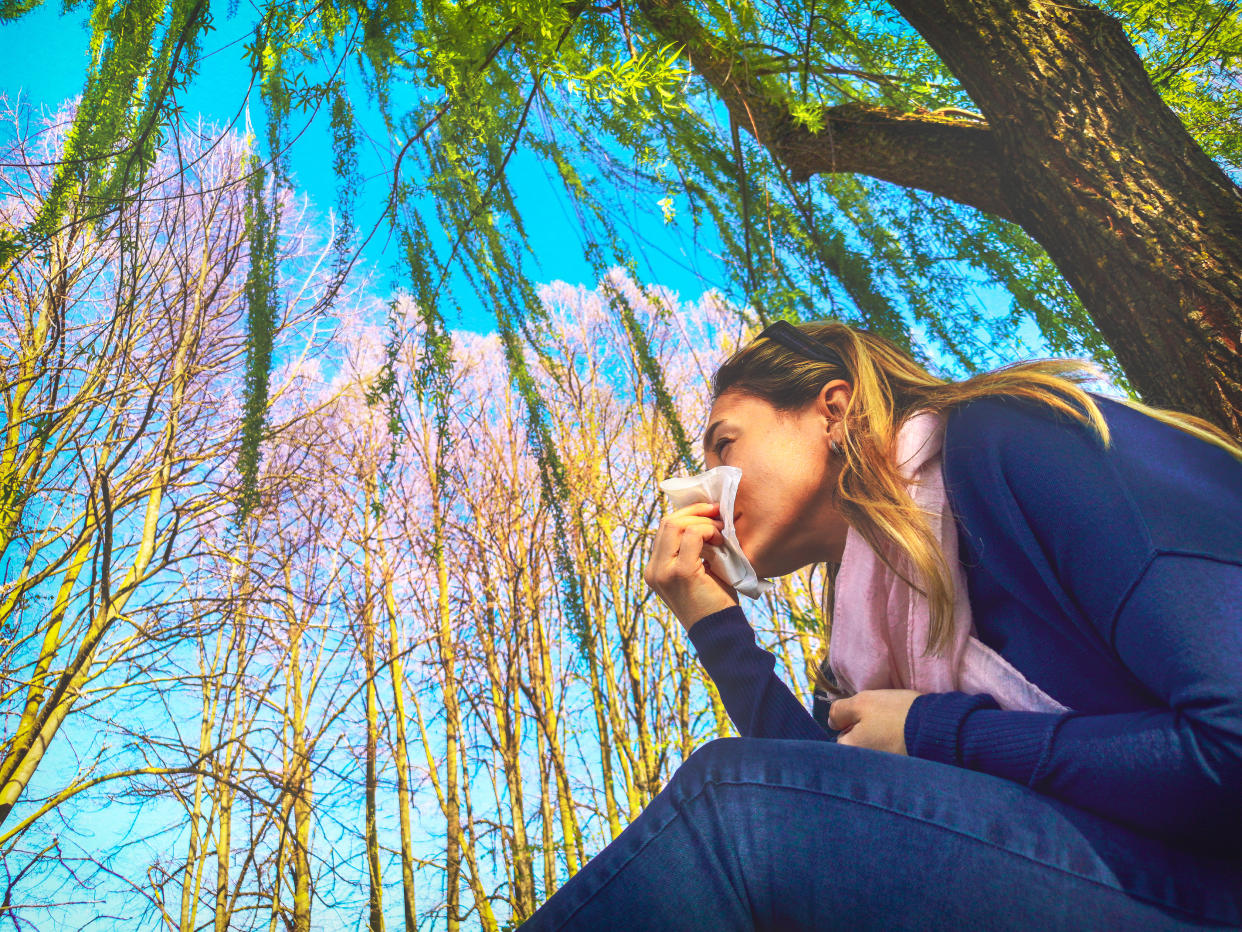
{"x": 713, "y": 760}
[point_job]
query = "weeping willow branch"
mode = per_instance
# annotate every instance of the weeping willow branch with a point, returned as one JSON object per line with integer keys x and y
{"x": 116, "y": 131}
{"x": 261, "y": 299}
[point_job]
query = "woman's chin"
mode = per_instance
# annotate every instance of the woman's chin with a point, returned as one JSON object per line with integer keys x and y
{"x": 757, "y": 563}
{"x": 770, "y": 569}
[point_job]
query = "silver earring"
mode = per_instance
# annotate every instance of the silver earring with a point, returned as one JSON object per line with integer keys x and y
{"x": 835, "y": 447}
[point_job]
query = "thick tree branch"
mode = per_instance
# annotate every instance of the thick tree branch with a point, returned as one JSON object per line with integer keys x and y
{"x": 1102, "y": 174}
{"x": 944, "y": 155}
{"x": 954, "y": 158}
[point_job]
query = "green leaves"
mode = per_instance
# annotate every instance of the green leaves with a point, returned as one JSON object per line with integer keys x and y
{"x": 654, "y": 76}
{"x": 127, "y": 99}
{"x": 1192, "y": 52}
{"x": 607, "y": 103}
{"x": 14, "y": 9}
{"x": 262, "y": 301}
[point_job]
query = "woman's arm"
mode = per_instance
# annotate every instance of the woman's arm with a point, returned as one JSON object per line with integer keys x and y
{"x": 757, "y": 700}
{"x": 1133, "y": 553}
{"x": 1174, "y": 771}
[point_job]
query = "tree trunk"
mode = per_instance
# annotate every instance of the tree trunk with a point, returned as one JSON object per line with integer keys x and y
{"x": 399, "y": 754}
{"x": 300, "y": 795}
{"x": 470, "y": 849}
{"x": 375, "y": 899}
{"x": 543, "y": 707}
{"x": 1077, "y": 148}
{"x": 547, "y": 820}
{"x": 452, "y": 721}
{"x": 191, "y": 872}
{"x": 1143, "y": 225}
{"x": 224, "y": 848}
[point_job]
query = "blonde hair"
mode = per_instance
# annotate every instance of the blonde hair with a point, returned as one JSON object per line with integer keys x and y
{"x": 888, "y": 386}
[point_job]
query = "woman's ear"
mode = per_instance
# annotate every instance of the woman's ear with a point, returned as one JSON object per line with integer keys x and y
{"x": 833, "y": 398}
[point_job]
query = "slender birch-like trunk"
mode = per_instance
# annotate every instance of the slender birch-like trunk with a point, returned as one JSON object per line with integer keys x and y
{"x": 366, "y": 631}
{"x": 400, "y": 755}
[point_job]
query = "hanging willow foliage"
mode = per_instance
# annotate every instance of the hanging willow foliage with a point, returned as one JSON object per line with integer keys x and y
{"x": 603, "y": 96}
{"x": 119, "y": 124}
{"x": 345, "y": 166}
{"x": 262, "y": 299}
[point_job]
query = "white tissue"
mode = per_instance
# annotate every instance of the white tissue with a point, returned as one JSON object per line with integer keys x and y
{"x": 728, "y": 562}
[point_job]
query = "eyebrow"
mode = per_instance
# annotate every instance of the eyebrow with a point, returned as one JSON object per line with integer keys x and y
{"x": 707, "y": 438}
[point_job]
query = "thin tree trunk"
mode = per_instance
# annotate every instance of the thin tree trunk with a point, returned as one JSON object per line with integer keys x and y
{"x": 224, "y": 849}
{"x": 470, "y": 848}
{"x": 192, "y": 872}
{"x": 375, "y": 899}
{"x": 543, "y": 706}
{"x": 505, "y": 689}
{"x": 282, "y": 856}
{"x": 547, "y": 820}
{"x": 301, "y": 795}
{"x": 605, "y": 745}
{"x": 452, "y": 718}
{"x": 684, "y": 674}
{"x": 400, "y": 756}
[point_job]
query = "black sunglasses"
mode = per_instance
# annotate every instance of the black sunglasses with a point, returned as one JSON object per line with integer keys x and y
{"x": 790, "y": 337}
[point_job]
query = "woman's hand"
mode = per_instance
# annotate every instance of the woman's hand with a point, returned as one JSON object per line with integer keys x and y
{"x": 676, "y": 570}
{"x": 873, "y": 718}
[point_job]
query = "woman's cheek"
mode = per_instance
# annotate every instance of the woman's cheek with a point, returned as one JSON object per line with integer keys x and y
{"x": 750, "y": 546}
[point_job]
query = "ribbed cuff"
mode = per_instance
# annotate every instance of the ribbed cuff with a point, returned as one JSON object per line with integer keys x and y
{"x": 715, "y": 635}
{"x": 1010, "y": 744}
{"x": 934, "y": 724}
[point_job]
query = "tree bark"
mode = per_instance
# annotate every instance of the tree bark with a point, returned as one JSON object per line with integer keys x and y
{"x": 375, "y": 899}
{"x": 400, "y": 755}
{"x": 944, "y": 154}
{"x": 452, "y": 716}
{"x": 1077, "y": 148}
{"x": 1143, "y": 225}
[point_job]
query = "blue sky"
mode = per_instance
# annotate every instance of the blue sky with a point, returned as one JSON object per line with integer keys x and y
{"x": 45, "y": 61}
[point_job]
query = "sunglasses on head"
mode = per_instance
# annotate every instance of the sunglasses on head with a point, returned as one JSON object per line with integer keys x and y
{"x": 790, "y": 337}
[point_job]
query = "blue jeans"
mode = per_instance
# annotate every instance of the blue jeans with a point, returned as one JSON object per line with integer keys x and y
{"x": 787, "y": 835}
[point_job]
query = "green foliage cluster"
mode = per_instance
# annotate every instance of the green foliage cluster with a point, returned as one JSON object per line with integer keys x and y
{"x": 142, "y": 51}
{"x": 1193, "y": 54}
{"x": 631, "y": 80}
{"x": 262, "y": 298}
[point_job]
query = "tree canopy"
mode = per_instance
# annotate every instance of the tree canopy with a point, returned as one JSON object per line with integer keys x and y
{"x": 870, "y": 161}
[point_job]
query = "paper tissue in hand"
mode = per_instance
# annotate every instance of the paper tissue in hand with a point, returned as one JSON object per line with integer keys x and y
{"x": 728, "y": 562}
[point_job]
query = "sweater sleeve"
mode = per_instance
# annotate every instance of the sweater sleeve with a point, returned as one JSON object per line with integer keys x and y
{"x": 758, "y": 702}
{"x": 1173, "y": 770}
{"x": 1128, "y": 551}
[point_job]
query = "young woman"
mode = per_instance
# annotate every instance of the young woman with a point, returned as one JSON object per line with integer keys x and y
{"x": 1100, "y": 542}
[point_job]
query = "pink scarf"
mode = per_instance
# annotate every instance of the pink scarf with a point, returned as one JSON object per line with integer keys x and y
{"x": 880, "y": 624}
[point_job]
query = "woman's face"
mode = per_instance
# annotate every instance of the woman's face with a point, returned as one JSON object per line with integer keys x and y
{"x": 783, "y": 514}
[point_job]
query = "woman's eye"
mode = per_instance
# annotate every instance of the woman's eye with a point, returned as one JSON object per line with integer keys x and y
{"x": 720, "y": 446}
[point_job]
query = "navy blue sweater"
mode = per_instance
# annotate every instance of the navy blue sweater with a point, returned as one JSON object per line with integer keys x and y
{"x": 1112, "y": 579}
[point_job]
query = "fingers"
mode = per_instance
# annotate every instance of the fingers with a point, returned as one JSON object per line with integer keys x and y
{"x": 677, "y": 571}
{"x": 678, "y": 547}
{"x": 699, "y": 508}
{"x": 691, "y": 551}
{"x": 672, "y": 526}
{"x": 843, "y": 713}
